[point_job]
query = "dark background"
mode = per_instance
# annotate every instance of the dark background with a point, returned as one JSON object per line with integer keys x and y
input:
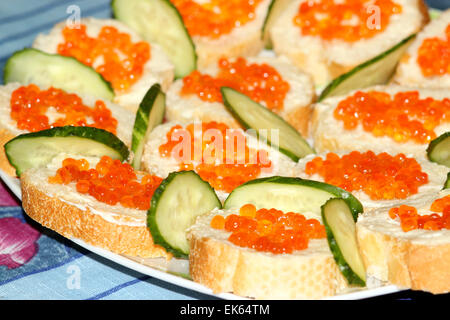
{"x": 439, "y": 4}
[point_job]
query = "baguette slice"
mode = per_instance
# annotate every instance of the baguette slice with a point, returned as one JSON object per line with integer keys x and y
{"x": 9, "y": 130}
{"x": 224, "y": 267}
{"x": 326, "y": 60}
{"x": 329, "y": 134}
{"x": 154, "y": 163}
{"x": 244, "y": 40}
{"x": 417, "y": 259}
{"x": 74, "y": 215}
{"x": 297, "y": 103}
{"x": 158, "y": 69}
{"x": 409, "y": 72}
{"x": 437, "y": 175}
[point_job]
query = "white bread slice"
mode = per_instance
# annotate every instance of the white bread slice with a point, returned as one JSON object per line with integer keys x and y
{"x": 8, "y": 127}
{"x": 158, "y": 68}
{"x": 326, "y": 60}
{"x": 74, "y": 215}
{"x": 408, "y": 71}
{"x": 437, "y": 175}
{"x": 329, "y": 134}
{"x": 224, "y": 267}
{"x": 245, "y": 40}
{"x": 417, "y": 259}
{"x": 296, "y": 110}
{"x": 153, "y": 163}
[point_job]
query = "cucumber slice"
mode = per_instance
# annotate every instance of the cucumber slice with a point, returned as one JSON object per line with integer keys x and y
{"x": 36, "y": 149}
{"x": 149, "y": 115}
{"x": 341, "y": 235}
{"x": 378, "y": 70}
{"x": 447, "y": 183}
{"x": 34, "y": 66}
{"x": 159, "y": 21}
{"x": 439, "y": 149}
{"x": 289, "y": 194}
{"x": 175, "y": 205}
{"x": 276, "y": 7}
{"x": 252, "y": 115}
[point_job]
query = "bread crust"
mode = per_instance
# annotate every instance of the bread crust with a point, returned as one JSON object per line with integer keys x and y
{"x": 73, "y": 222}
{"x": 261, "y": 276}
{"x": 224, "y": 267}
{"x": 405, "y": 263}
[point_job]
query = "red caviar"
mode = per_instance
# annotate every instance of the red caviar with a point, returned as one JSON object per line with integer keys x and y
{"x": 411, "y": 220}
{"x": 402, "y": 117}
{"x": 433, "y": 55}
{"x": 260, "y": 82}
{"x": 269, "y": 230}
{"x": 215, "y": 17}
{"x": 30, "y": 104}
{"x": 123, "y": 61}
{"x": 111, "y": 182}
{"x": 348, "y": 20}
{"x": 220, "y": 155}
{"x": 381, "y": 177}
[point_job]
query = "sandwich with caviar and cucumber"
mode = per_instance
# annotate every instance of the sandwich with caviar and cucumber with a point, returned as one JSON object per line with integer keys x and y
{"x": 30, "y": 108}
{"x": 271, "y": 81}
{"x": 130, "y": 64}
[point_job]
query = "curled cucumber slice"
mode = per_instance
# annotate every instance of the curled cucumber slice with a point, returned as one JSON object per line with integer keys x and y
{"x": 37, "y": 149}
{"x": 149, "y": 114}
{"x": 341, "y": 235}
{"x": 439, "y": 150}
{"x": 265, "y": 123}
{"x": 43, "y": 69}
{"x": 376, "y": 71}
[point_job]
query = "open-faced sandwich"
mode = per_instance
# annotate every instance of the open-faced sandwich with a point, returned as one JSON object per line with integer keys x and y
{"x": 223, "y": 28}
{"x": 273, "y": 82}
{"x": 30, "y": 108}
{"x": 376, "y": 179}
{"x": 426, "y": 62}
{"x": 225, "y": 157}
{"x": 273, "y": 234}
{"x": 130, "y": 64}
{"x": 327, "y": 38}
{"x": 99, "y": 200}
{"x": 392, "y": 118}
{"x": 408, "y": 244}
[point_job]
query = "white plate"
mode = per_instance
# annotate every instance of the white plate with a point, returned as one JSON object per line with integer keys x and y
{"x": 167, "y": 271}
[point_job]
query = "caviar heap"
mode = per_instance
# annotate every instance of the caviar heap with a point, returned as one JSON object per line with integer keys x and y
{"x": 433, "y": 55}
{"x": 403, "y": 117}
{"x": 269, "y": 230}
{"x": 347, "y": 20}
{"x": 215, "y": 18}
{"x": 411, "y": 220}
{"x": 381, "y": 177}
{"x": 111, "y": 182}
{"x": 261, "y": 82}
{"x": 31, "y": 108}
{"x": 220, "y": 155}
{"x": 122, "y": 61}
